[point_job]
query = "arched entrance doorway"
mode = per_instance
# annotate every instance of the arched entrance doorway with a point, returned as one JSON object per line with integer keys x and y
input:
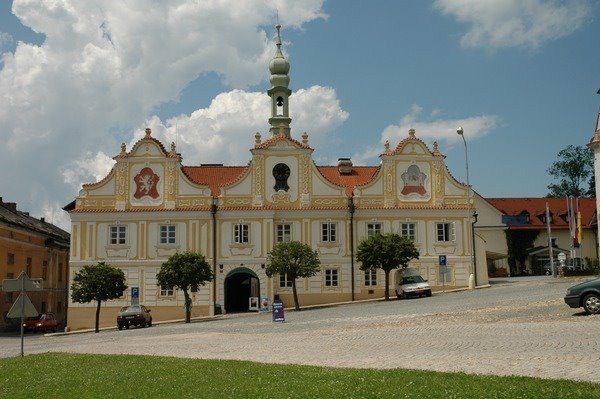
{"x": 240, "y": 284}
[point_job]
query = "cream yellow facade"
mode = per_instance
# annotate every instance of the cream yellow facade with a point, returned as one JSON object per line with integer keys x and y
{"x": 151, "y": 206}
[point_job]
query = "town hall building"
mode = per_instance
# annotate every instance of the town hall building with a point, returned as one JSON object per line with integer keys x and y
{"x": 151, "y": 206}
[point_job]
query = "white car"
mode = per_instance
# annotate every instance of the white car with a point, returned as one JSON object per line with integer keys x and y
{"x": 409, "y": 283}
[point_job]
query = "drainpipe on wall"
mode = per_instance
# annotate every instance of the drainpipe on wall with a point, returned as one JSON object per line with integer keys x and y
{"x": 474, "y": 252}
{"x": 213, "y": 211}
{"x": 351, "y": 209}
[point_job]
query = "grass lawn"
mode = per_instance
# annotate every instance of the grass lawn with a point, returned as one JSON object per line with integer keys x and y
{"x": 59, "y": 375}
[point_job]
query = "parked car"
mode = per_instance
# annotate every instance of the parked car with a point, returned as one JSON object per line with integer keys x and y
{"x": 43, "y": 323}
{"x": 585, "y": 295}
{"x": 409, "y": 283}
{"x": 547, "y": 268}
{"x": 134, "y": 315}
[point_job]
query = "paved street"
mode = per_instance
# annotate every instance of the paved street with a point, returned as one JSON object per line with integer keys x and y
{"x": 517, "y": 326}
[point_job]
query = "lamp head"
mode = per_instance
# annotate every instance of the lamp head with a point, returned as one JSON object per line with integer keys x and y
{"x": 459, "y": 131}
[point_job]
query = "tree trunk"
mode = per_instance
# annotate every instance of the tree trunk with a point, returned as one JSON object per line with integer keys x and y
{"x": 98, "y": 316}
{"x": 387, "y": 285}
{"x": 188, "y": 306}
{"x": 296, "y": 304}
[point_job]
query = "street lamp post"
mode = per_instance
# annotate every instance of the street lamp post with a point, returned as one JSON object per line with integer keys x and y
{"x": 472, "y": 282}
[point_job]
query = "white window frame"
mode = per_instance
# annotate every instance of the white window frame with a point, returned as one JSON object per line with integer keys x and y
{"x": 445, "y": 231}
{"x": 409, "y": 229}
{"x": 241, "y": 233}
{"x": 167, "y": 234}
{"x": 374, "y": 228}
{"x": 329, "y": 232}
{"x": 332, "y": 277}
{"x": 283, "y": 232}
{"x": 117, "y": 234}
{"x": 371, "y": 278}
{"x": 167, "y": 291}
{"x": 285, "y": 281}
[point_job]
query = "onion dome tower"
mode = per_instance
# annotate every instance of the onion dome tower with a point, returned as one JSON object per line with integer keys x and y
{"x": 279, "y": 92}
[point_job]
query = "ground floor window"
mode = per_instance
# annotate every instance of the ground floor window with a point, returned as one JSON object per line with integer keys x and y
{"x": 370, "y": 278}
{"x": 166, "y": 291}
{"x": 331, "y": 277}
{"x": 285, "y": 281}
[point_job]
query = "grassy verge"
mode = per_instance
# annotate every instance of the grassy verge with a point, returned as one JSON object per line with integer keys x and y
{"x": 58, "y": 375}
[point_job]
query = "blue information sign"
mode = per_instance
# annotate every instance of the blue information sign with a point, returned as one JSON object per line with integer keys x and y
{"x": 135, "y": 292}
{"x": 443, "y": 260}
{"x": 278, "y": 311}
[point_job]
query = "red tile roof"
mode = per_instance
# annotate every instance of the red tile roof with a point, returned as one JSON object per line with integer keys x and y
{"x": 214, "y": 176}
{"x": 359, "y": 176}
{"x": 536, "y": 209}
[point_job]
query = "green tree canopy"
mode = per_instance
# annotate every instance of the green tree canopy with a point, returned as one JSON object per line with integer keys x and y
{"x": 573, "y": 169}
{"x": 185, "y": 271}
{"x": 294, "y": 259}
{"x": 386, "y": 252}
{"x": 100, "y": 282}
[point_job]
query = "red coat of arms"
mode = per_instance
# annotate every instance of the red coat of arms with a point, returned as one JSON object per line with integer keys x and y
{"x": 146, "y": 182}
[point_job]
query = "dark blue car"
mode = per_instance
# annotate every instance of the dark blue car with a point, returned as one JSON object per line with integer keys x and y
{"x": 585, "y": 295}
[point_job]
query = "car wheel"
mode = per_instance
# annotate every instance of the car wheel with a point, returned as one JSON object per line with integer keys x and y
{"x": 591, "y": 304}
{"x": 127, "y": 327}
{"x": 548, "y": 272}
{"x": 428, "y": 293}
{"x": 120, "y": 327}
{"x": 150, "y": 323}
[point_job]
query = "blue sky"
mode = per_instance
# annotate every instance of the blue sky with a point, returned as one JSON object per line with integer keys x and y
{"x": 78, "y": 79}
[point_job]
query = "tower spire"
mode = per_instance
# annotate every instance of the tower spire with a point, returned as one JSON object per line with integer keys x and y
{"x": 279, "y": 92}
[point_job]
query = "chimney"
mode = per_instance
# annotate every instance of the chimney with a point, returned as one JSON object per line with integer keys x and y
{"x": 344, "y": 166}
{"x": 42, "y": 220}
{"x": 11, "y": 206}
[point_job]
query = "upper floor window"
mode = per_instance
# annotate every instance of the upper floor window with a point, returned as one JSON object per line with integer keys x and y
{"x": 10, "y": 259}
{"x": 28, "y": 266}
{"x": 45, "y": 270}
{"x": 328, "y": 232}
{"x": 118, "y": 234}
{"x": 284, "y": 232}
{"x": 373, "y": 229}
{"x": 60, "y": 272}
{"x": 408, "y": 230}
{"x": 241, "y": 233}
{"x": 167, "y": 234}
{"x": 281, "y": 173}
{"x": 445, "y": 231}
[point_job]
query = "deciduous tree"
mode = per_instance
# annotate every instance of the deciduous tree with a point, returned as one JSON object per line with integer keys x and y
{"x": 185, "y": 271}
{"x": 100, "y": 282}
{"x": 294, "y": 259}
{"x": 573, "y": 168}
{"x": 386, "y": 252}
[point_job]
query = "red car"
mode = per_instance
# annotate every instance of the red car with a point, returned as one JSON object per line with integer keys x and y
{"x": 44, "y": 322}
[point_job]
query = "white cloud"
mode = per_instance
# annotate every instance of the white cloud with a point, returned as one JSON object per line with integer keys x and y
{"x": 224, "y": 131}
{"x": 102, "y": 69}
{"x": 518, "y": 23}
{"x": 441, "y": 130}
{"x": 5, "y": 40}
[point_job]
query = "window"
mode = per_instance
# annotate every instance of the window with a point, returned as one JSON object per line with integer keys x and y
{"x": 370, "y": 278}
{"x": 28, "y": 267}
{"x": 45, "y": 270}
{"x": 331, "y": 277}
{"x": 166, "y": 291}
{"x": 167, "y": 234}
{"x": 285, "y": 281}
{"x": 60, "y": 272}
{"x": 408, "y": 230}
{"x": 284, "y": 232}
{"x": 118, "y": 234}
{"x": 445, "y": 232}
{"x": 10, "y": 259}
{"x": 328, "y": 232}
{"x": 281, "y": 173}
{"x": 240, "y": 233}
{"x": 373, "y": 228}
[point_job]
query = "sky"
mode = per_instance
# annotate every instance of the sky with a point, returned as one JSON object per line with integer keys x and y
{"x": 77, "y": 79}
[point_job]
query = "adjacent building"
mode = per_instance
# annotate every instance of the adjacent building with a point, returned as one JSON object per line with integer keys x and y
{"x": 151, "y": 205}
{"x": 39, "y": 249}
